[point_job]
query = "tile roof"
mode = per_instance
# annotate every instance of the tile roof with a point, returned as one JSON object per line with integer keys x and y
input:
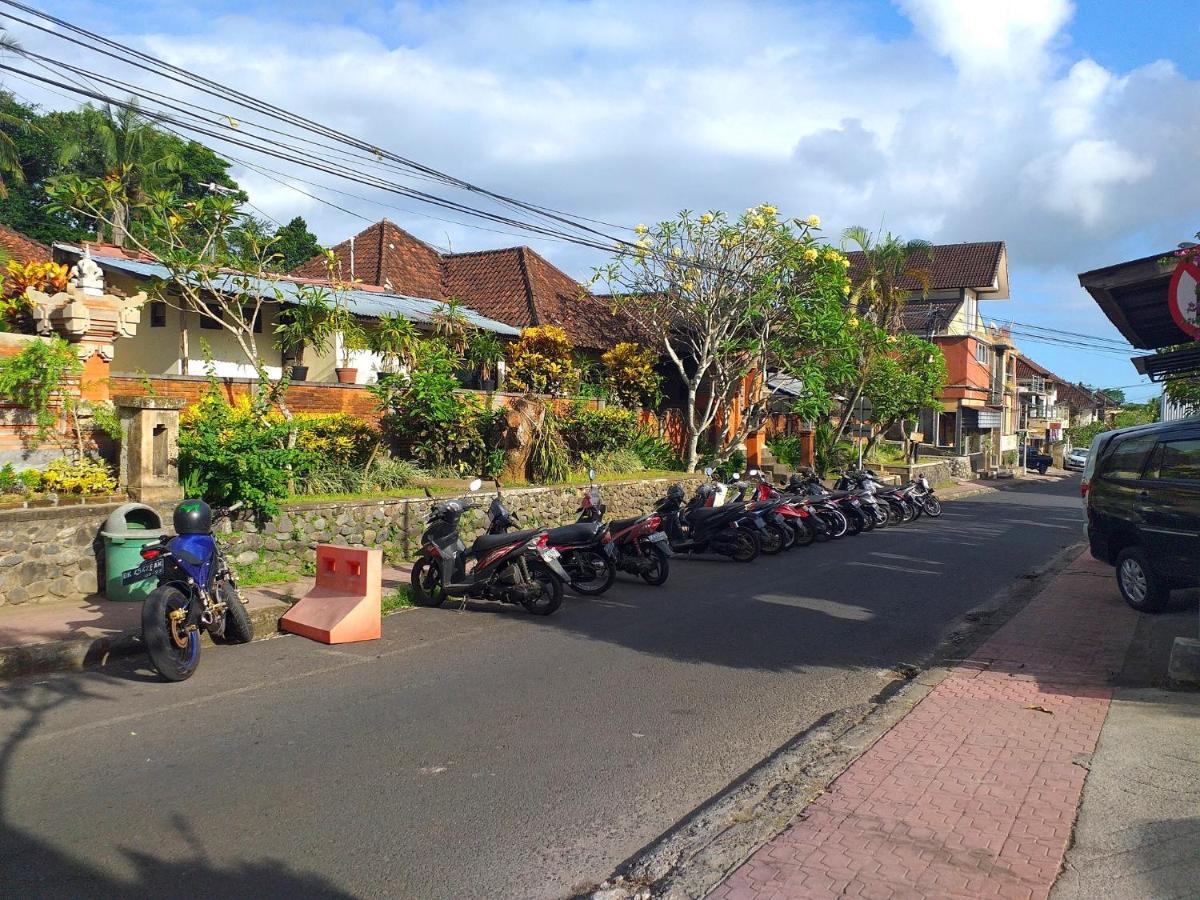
{"x": 20, "y": 248}
{"x": 1027, "y": 368}
{"x": 513, "y": 285}
{"x": 973, "y": 265}
{"x": 929, "y": 316}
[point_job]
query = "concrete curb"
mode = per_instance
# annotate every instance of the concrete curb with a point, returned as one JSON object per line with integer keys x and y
{"x": 91, "y": 653}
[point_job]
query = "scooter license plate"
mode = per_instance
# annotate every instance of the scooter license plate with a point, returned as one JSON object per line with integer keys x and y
{"x": 551, "y": 553}
{"x": 657, "y": 537}
{"x": 149, "y": 569}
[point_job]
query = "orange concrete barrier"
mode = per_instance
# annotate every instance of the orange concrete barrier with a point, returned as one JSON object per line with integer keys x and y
{"x": 344, "y": 604}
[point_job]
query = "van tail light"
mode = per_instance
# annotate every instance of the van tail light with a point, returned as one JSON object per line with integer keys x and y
{"x": 151, "y": 552}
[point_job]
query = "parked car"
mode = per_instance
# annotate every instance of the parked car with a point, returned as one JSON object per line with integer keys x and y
{"x": 1034, "y": 460}
{"x": 1141, "y": 490}
{"x": 1076, "y": 459}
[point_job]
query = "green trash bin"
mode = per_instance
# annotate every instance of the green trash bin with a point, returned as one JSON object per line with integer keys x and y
{"x": 130, "y": 528}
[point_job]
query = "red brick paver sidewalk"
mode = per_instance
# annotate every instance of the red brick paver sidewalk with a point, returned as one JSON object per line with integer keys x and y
{"x": 973, "y": 793}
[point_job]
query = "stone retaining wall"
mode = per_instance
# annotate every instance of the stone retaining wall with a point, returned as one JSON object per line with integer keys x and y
{"x": 937, "y": 471}
{"x": 395, "y": 526}
{"x": 56, "y": 553}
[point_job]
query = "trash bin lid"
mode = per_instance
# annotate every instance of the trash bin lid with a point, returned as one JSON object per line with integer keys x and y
{"x": 132, "y": 520}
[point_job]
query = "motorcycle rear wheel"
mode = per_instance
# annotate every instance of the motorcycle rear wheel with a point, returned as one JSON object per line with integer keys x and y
{"x": 174, "y": 650}
{"x": 660, "y": 567}
{"x": 835, "y": 522}
{"x": 854, "y": 525}
{"x": 552, "y": 589}
{"x": 426, "y": 580}
{"x": 591, "y": 572}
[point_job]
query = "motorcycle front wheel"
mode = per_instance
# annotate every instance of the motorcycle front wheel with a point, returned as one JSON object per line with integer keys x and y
{"x": 773, "y": 539}
{"x": 239, "y": 627}
{"x": 933, "y": 507}
{"x": 805, "y": 535}
{"x": 591, "y": 572}
{"x": 426, "y": 583}
{"x": 660, "y": 567}
{"x": 173, "y": 648}
{"x": 552, "y": 589}
{"x": 746, "y": 546}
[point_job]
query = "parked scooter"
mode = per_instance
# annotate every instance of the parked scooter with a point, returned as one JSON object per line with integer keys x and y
{"x": 581, "y": 547}
{"x": 196, "y": 592}
{"x": 709, "y": 529}
{"x": 796, "y": 513}
{"x": 637, "y": 545}
{"x": 776, "y": 535}
{"x": 519, "y": 567}
{"x": 921, "y": 492}
{"x": 823, "y": 504}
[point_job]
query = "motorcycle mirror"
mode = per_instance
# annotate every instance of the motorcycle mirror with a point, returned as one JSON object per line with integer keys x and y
{"x": 475, "y": 485}
{"x": 708, "y": 471}
{"x": 591, "y": 474}
{"x": 736, "y": 476}
{"x": 753, "y": 472}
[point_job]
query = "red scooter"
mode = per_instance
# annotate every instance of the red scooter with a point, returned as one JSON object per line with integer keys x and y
{"x": 636, "y": 545}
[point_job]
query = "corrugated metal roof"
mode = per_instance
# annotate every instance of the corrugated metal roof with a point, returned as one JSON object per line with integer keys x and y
{"x": 368, "y": 304}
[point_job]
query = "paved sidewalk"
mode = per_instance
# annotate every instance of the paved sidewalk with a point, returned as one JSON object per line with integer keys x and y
{"x": 974, "y": 793}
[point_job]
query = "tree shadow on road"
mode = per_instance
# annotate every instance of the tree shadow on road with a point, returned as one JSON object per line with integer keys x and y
{"x": 32, "y": 867}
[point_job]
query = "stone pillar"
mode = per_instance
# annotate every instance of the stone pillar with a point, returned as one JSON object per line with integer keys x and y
{"x": 149, "y": 468}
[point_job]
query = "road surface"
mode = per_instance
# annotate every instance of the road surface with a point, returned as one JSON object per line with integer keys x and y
{"x": 485, "y": 753}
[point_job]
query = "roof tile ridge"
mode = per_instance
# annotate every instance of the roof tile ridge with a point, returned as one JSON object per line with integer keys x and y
{"x": 534, "y": 318}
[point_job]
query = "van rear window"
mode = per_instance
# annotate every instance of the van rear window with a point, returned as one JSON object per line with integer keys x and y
{"x": 1128, "y": 458}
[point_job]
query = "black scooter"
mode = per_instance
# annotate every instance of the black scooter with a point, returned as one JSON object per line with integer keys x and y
{"x": 709, "y": 529}
{"x": 519, "y": 567}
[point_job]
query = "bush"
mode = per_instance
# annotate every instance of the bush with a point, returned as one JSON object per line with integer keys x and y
{"x": 654, "y": 452}
{"x": 541, "y": 362}
{"x": 83, "y": 476}
{"x": 629, "y": 374}
{"x": 230, "y": 453}
{"x": 9, "y": 482}
{"x": 595, "y": 431}
{"x": 549, "y": 462}
{"x": 787, "y": 449}
{"x": 385, "y": 474}
{"x": 616, "y": 462}
{"x": 336, "y": 438}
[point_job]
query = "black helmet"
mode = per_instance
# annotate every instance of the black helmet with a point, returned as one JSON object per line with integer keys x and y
{"x": 193, "y": 517}
{"x": 675, "y": 492}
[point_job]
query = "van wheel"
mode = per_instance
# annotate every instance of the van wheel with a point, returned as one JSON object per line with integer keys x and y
{"x": 1140, "y": 585}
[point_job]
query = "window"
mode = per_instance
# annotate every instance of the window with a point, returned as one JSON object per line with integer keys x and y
{"x": 1128, "y": 458}
{"x": 1177, "y": 460}
{"x": 981, "y": 352}
{"x": 158, "y": 314}
{"x": 211, "y": 321}
{"x": 248, "y": 311}
{"x": 972, "y": 313}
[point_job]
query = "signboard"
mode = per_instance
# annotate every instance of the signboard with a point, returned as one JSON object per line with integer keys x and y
{"x": 1054, "y": 431}
{"x": 1182, "y": 299}
{"x": 982, "y": 418}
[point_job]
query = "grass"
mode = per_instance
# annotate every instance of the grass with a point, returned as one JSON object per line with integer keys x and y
{"x": 400, "y": 598}
{"x": 259, "y": 573}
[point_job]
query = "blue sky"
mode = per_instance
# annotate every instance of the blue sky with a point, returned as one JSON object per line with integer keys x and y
{"x": 1069, "y": 130}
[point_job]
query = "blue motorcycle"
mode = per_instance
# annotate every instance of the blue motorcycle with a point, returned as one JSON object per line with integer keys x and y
{"x": 196, "y": 592}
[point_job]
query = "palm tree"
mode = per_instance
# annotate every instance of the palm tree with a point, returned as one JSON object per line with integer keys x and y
{"x": 889, "y": 261}
{"x": 10, "y": 156}
{"x": 128, "y": 150}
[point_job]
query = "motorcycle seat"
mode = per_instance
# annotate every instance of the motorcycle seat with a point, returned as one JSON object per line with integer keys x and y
{"x": 579, "y": 533}
{"x": 621, "y": 524}
{"x": 705, "y": 513}
{"x": 486, "y": 542}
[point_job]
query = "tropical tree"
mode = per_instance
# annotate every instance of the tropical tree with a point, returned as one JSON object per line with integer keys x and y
{"x": 10, "y": 156}
{"x": 295, "y": 244}
{"x": 124, "y": 145}
{"x": 889, "y": 264}
{"x": 903, "y": 381}
{"x": 1116, "y": 395}
{"x": 730, "y": 298}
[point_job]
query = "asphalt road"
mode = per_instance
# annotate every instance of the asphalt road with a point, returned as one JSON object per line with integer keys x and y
{"x": 484, "y": 753}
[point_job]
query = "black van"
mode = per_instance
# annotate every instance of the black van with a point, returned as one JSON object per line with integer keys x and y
{"x": 1141, "y": 490}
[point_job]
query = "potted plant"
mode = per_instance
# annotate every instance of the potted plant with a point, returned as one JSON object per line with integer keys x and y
{"x": 396, "y": 340}
{"x": 303, "y": 325}
{"x": 353, "y": 338}
{"x": 484, "y": 350}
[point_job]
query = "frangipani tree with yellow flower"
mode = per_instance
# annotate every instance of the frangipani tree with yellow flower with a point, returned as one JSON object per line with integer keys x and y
{"x": 733, "y": 299}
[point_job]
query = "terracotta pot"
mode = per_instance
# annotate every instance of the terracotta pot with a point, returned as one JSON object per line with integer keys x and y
{"x": 346, "y": 376}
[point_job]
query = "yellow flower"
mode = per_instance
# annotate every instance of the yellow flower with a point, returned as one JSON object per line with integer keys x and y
{"x": 757, "y": 221}
{"x": 640, "y": 229}
{"x": 810, "y": 254}
{"x": 676, "y": 252}
{"x": 706, "y": 219}
{"x": 689, "y": 285}
{"x": 846, "y": 289}
{"x": 813, "y": 221}
{"x": 643, "y": 243}
{"x": 853, "y": 323}
{"x": 768, "y": 209}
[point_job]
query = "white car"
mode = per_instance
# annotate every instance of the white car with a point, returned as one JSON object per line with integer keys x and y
{"x": 1076, "y": 459}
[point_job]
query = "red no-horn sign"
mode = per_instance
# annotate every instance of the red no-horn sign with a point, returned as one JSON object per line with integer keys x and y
{"x": 1182, "y": 298}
